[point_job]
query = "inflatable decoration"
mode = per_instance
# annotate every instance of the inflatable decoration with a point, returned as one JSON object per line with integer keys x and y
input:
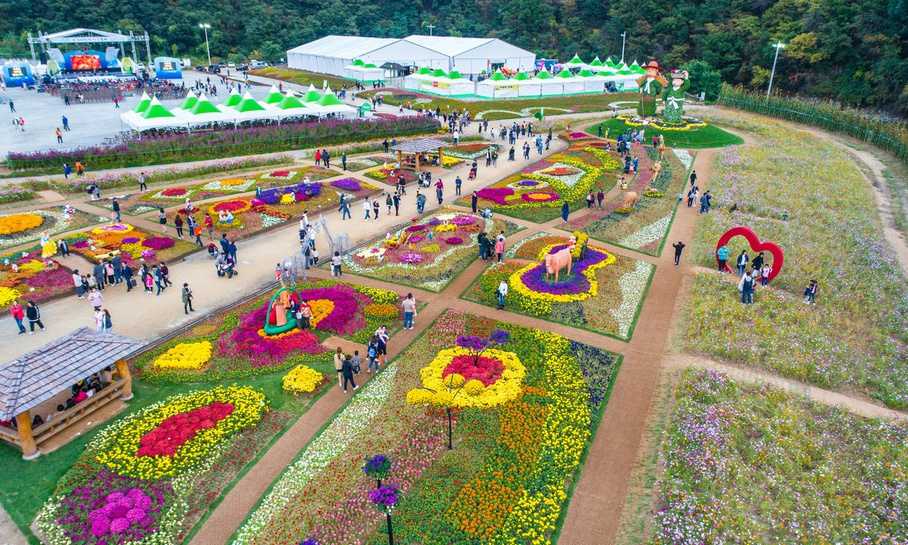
{"x": 279, "y": 318}
{"x": 756, "y": 245}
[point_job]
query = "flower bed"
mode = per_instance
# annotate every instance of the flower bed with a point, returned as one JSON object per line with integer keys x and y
{"x": 814, "y": 473}
{"x": 240, "y": 346}
{"x": 645, "y": 226}
{"x": 538, "y": 191}
{"x": 302, "y": 380}
{"x": 428, "y": 253}
{"x": 29, "y": 277}
{"x": 827, "y": 223}
{"x": 603, "y": 293}
{"x": 25, "y": 227}
{"x": 513, "y": 459}
{"x": 382, "y": 173}
{"x": 470, "y": 150}
{"x": 130, "y": 243}
{"x": 134, "y": 480}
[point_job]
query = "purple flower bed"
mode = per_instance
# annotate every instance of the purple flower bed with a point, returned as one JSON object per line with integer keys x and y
{"x": 111, "y": 509}
{"x": 302, "y": 191}
{"x": 578, "y": 283}
{"x": 495, "y": 194}
{"x": 454, "y": 241}
{"x": 410, "y": 258}
{"x": 55, "y": 278}
{"x": 345, "y": 318}
{"x": 415, "y": 228}
{"x": 463, "y": 219}
{"x": 528, "y": 183}
{"x": 158, "y": 243}
{"x": 130, "y": 240}
{"x": 347, "y": 184}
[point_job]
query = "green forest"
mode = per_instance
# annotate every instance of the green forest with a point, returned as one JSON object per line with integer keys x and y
{"x": 853, "y": 51}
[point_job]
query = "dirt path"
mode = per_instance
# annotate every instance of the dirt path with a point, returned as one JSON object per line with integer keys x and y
{"x": 594, "y": 514}
{"x": 819, "y": 395}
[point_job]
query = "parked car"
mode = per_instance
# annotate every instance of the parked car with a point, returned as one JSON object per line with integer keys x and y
{"x": 257, "y": 64}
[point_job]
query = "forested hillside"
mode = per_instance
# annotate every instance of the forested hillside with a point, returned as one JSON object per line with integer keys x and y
{"x": 855, "y": 51}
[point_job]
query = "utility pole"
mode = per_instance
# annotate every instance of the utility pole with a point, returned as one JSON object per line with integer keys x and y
{"x": 623, "y": 39}
{"x": 205, "y": 27}
{"x": 779, "y": 46}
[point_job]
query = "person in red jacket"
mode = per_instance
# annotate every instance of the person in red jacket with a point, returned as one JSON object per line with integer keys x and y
{"x": 18, "y": 314}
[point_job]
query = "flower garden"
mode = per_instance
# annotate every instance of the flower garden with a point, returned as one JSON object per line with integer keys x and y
{"x": 537, "y": 192}
{"x": 470, "y": 151}
{"x": 236, "y": 343}
{"x": 129, "y": 242}
{"x": 428, "y": 253}
{"x": 25, "y": 227}
{"x": 523, "y": 406}
{"x": 381, "y": 173}
{"x": 827, "y": 223}
{"x": 644, "y": 227}
{"x": 603, "y": 292}
{"x": 747, "y": 464}
{"x": 27, "y": 276}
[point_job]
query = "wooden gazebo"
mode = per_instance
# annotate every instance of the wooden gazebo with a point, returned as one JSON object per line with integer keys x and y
{"x": 412, "y": 153}
{"x": 48, "y": 374}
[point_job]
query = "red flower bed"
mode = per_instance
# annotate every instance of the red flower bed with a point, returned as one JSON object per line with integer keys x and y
{"x": 177, "y": 430}
{"x": 280, "y": 174}
{"x": 486, "y": 370}
{"x": 174, "y": 191}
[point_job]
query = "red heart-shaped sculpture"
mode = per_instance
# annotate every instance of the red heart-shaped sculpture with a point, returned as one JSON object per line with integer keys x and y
{"x": 756, "y": 245}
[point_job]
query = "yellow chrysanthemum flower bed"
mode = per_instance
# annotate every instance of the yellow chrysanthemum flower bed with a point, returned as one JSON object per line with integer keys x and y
{"x": 117, "y": 445}
{"x": 7, "y": 296}
{"x": 16, "y": 223}
{"x": 34, "y": 265}
{"x": 184, "y": 357}
{"x": 453, "y": 391}
{"x": 302, "y": 379}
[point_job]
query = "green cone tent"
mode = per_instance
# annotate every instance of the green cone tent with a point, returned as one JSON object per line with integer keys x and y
{"x": 637, "y": 69}
{"x": 274, "y": 96}
{"x": 585, "y": 73}
{"x": 312, "y": 95}
{"x": 438, "y": 73}
{"x": 156, "y": 110}
{"x": 233, "y": 99}
{"x": 521, "y": 76}
{"x": 248, "y": 104}
{"x": 454, "y": 74}
{"x": 498, "y": 76}
{"x": 329, "y": 99}
{"x": 625, "y": 70}
{"x": 575, "y": 60}
{"x": 369, "y": 65}
{"x": 596, "y": 62}
{"x": 204, "y": 106}
{"x": 290, "y": 102}
{"x": 610, "y": 63}
{"x": 565, "y": 74}
{"x": 358, "y": 62}
{"x": 424, "y": 71}
{"x": 143, "y": 103}
{"x": 190, "y": 101}
{"x": 543, "y": 74}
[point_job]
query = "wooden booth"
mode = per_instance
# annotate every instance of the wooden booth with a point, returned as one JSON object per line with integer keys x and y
{"x": 48, "y": 395}
{"x": 416, "y": 154}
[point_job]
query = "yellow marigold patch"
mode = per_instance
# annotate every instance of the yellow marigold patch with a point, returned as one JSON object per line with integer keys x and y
{"x": 302, "y": 379}
{"x": 184, "y": 357}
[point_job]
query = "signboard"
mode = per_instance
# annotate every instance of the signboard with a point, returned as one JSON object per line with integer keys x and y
{"x": 16, "y": 71}
{"x": 167, "y": 66}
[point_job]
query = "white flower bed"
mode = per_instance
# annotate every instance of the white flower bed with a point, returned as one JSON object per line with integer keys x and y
{"x": 648, "y": 234}
{"x": 684, "y": 156}
{"x": 632, "y": 285}
{"x": 353, "y": 420}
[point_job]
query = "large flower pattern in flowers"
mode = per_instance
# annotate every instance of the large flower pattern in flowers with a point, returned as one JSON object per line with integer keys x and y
{"x": 458, "y": 377}
{"x": 530, "y": 281}
{"x": 234, "y": 206}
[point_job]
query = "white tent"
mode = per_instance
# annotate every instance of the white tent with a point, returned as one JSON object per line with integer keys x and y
{"x": 527, "y": 86}
{"x": 498, "y": 86}
{"x": 365, "y": 72}
{"x": 570, "y": 84}
{"x": 592, "y": 83}
{"x": 475, "y": 55}
{"x": 332, "y": 54}
{"x": 439, "y": 83}
{"x": 548, "y": 85}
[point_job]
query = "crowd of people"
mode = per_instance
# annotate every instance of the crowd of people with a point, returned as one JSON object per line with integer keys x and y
{"x": 113, "y": 90}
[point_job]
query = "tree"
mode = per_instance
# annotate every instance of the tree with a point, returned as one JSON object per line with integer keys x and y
{"x": 703, "y": 78}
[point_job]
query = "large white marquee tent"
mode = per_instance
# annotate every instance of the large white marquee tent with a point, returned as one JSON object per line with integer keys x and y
{"x": 468, "y": 56}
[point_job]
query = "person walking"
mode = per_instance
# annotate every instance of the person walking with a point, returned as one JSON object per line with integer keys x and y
{"x": 178, "y": 224}
{"x": 318, "y": 157}
{"x": 115, "y": 205}
{"x": 95, "y": 299}
{"x": 59, "y": 134}
{"x": 389, "y": 202}
{"x": 693, "y": 178}
{"x": 186, "y": 296}
{"x": 458, "y": 183}
{"x": 344, "y": 160}
{"x": 336, "y": 264}
{"x": 474, "y": 201}
{"x": 382, "y": 334}
{"x": 409, "y": 307}
{"x": 810, "y": 293}
{"x": 565, "y": 210}
{"x": 339, "y": 366}
{"x": 600, "y": 197}
{"x": 209, "y": 226}
{"x": 33, "y": 313}
{"x": 67, "y": 170}
{"x": 679, "y": 247}
{"x": 722, "y": 257}
{"x": 18, "y": 314}
{"x": 440, "y": 191}
{"x": 746, "y": 287}
{"x": 99, "y": 320}
{"x": 143, "y": 181}
{"x": 344, "y": 207}
{"x": 65, "y": 121}
{"x": 158, "y": 280}
{"x": 741, "y": 262}
{"x": 12, "y": 106}
{"x": 501, "y": 293}
{"x": 347, "y": 372}
{"x": 367, "y": 207}
{"x": 162, "y": 219}
{"x": 396, "y": 201}
{"x": 375, "y": 209}
{"x": 78, "y": 284}
{"x": 499, "y": 246}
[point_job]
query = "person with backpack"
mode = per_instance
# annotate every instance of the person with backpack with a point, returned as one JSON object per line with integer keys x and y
{"x": 356, "y": 362}
{"x": 372, "y": 355}
{"x": 722, "y": 257}
{"x": 33, "y": 313}
{"x": 679, "y": 247}
{"x": 746, "y": 287}
{"x": 382, "y": 334}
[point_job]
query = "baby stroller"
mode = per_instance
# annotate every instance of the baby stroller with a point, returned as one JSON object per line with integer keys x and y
{"x": 212, "y": 250}
{"x": 226, "y": 267}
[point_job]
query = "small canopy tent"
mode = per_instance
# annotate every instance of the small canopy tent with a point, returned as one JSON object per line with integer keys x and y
{"x": 168, "y": 68}
{"x": 274, "y": 96}
{"x": 234, "y": 98}
{"x": 330, "y": 104}
{"x": 190, "y": 101}
{"x": 569, "y": 83}
{"x": 156, "y": 110}
{"x": 439, "y": 83}
{"x": 35, "y": 383}
{"x": 312, "y": 95}
{"x": 497, "y": 86}
{"x": 204, "y": 106}
{"x": 548, "y": 85}
{"x": 144, "y": 101}
{"x": 526, "y": 86}
{"x": 290, "y": 102}
{"x": 592, "y": 83}
{"x": 575, "y": 62}
{"x": 364, "y": 72}
{"x": 248, "y": 104}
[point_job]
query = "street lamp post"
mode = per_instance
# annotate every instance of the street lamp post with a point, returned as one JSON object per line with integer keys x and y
{"x": 205, "y": 27}
{"x": 779, "y": 46}
{"x": 623, "y": 39}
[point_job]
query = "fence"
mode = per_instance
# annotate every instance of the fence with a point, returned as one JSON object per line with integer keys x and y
{"x": 891, "y": 136}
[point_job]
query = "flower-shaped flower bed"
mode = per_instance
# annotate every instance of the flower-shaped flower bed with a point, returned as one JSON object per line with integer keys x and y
{"x": 540, "y": 196}
{"x": 427, "y": 252}
{"x": 234, "y": 206}
{"x": 173, "y": 437}
{"x": 127, "y": 241}
{"x": 525, "y": 184}
{"x": 118, "y": 229}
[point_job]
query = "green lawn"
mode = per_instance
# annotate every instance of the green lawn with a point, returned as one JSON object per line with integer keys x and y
{"x": 554, "y": 105}
{"x": 705, "y": 137}
{"x": 301, "y": 77}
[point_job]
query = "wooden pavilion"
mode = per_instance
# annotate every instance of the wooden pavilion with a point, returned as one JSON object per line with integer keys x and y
{"x": 41, "y": 380}
{"x": 424, "y": 151}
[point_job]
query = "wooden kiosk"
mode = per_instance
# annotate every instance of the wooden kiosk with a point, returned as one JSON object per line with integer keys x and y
{"x": 424, "y": 152}
{"x": 46, "y": 376}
